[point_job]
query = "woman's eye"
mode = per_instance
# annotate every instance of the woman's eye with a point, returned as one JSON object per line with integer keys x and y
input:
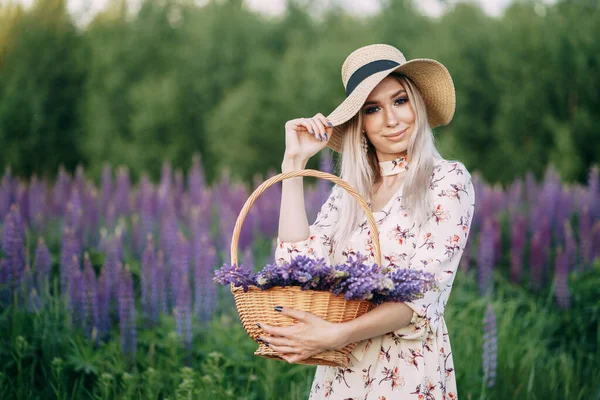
{"x": 370, "y": 110}
{"x": 401, "y": 100}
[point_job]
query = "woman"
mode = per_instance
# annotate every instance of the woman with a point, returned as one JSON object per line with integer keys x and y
{"x": 423, "y": 206}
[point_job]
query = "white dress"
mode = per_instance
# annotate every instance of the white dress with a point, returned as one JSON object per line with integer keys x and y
{"x": 414, "y": 362}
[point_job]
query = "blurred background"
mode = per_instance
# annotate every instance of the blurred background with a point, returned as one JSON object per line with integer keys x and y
{"x": 132, "y": 133}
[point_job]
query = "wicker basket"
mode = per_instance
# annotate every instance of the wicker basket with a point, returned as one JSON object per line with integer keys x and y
{"x": 257, "y": 305}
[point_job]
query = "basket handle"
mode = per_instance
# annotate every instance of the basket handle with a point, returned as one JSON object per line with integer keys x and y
{"x": 292, "y": 174}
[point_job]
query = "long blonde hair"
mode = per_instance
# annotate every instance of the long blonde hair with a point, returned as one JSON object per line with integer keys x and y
{"x": 362, "y": 172}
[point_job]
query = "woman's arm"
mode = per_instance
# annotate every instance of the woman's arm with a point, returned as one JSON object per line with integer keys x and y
{"x": 385, "y": 318}
{"x": 303, "y": 139}
{"x": 311, "y": 334}
{"x": 293, "y": 222}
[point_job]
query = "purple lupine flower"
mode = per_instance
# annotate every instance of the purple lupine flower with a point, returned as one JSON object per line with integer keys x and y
{"x": 594, "y": 192}
{"x": 179, "y": 266}
{"x": 148, "y": 261}
{"x": 70, "y": 246}
{"x": 168, "y": 230}
{"x": 238, "y": 195}
{"x": 497, "y": 240}
{"x": 570, "y": 245}
{"x": 326, "y": 162}
{"x": 76, "y": 290}
{"x": 515, "y": 197}
{"x": 536, "y": 261}
{"x": 37, "y": 206}
{"x": 92, "y": 311}
{"x": 106, "y": 188}
{"x": 31, "y": 296}
{"x": 25, "y": 285}
{"x": 164, "y": 202}
{"x": 146, "y": 208}
{"x": 110, "y": 273}
{"x": 127, "y": 312}
{"x": 22, "y": 196}
{"x": 531, "y": 189}
{"x": 118, "y": 246}
{"x": 196, "y": 181}
{"x": 482, "y": 204}
{"x": 178, "y": 192}
{"x": 183, "y": 312}
{"x": 104, "y": 297}
{"x": 359, "y": 284}
{"x": 228, "y": 214}
{"x": 268, "y": 206}
{"x": 227, "y": 220}
{"x": 596, "y": 241}
{"x": 222, "y": 188}
{"x": 79, "y": 180}
{"x": 518, "y": 237}
{"x": 561, "y": 285}
{"x": 563, "y": 212}
{"x": 103, "y": 242}
{"x": 159, "y": 286}
{"x": 13, "y": 245}
{"x": 60, "y": 191}
{"x": 357, "y": 279}
{"x": 238, "y": 276}
{"x": 28, "y": 293}
{"x": 490, "y": 347}
{"x": 74, "y": 212}
{"x": 6, "y": 195}
{"x": 43, "y": 264}
{"x": 205, "y": 260}
{"x": 585, "y": 237}
{"x": 134, "y": 239}
{"x": 545, "y": 238}
{"x": 110, "y": 217}
{"x": 485, "y": 257}
{"x": 122, "y": 191}
{"x": 248, "y": 258}
{"x": 550, "y": 192}
{"x": 200, "y": 221}
{"x": 91, "y": 216}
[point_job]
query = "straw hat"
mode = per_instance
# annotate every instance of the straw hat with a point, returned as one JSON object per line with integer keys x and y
{"x": 365, "y": 67}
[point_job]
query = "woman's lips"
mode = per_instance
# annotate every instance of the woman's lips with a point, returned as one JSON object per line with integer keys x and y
{"x": 397, "y": 136}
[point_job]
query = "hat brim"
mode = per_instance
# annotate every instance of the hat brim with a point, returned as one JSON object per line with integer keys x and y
{"x": 432, "y": 80}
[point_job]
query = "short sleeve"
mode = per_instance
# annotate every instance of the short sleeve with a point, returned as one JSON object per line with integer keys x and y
{"x": 319, "y": 242}
{"x": 440, "y": 244}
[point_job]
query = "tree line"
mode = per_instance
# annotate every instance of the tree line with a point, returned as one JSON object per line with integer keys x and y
{"x": 175, "y": 79}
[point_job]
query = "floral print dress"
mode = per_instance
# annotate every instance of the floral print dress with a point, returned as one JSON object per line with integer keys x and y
{"x": 413, "y": 362}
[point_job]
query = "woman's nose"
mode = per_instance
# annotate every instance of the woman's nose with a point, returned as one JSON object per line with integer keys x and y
{"x": 392, "y": 119}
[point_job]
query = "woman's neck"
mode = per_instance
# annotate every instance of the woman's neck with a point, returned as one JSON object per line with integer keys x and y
{"x": 393, "y": 171}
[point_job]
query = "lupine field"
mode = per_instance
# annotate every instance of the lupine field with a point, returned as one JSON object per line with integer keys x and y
{"x": 106, "y": 289}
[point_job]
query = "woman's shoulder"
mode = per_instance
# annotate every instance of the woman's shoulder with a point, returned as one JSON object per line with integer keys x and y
{"x": 449, "y": 172}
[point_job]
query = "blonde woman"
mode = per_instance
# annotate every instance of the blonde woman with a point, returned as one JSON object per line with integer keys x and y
{"x": 423, "y": 206}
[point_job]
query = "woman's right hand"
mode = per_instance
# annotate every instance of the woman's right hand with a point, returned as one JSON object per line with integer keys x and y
{"x": 305, "y": 137}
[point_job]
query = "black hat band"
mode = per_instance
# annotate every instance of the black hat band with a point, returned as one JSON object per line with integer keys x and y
{"x": 367, "y": 70}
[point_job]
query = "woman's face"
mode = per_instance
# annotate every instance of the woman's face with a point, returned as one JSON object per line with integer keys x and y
{"x": 388, "y": 119}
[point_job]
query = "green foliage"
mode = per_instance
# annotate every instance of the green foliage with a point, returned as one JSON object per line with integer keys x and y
{"x": 177, "y": 78}
{"x": 41, "y": 79}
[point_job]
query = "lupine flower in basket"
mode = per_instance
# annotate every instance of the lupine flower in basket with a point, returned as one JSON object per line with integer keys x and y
{"x": 238, "y": 276}
{"x": 356, "y": 279}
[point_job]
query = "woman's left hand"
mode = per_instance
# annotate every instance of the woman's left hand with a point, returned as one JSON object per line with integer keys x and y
{"x": 310, "y": 335}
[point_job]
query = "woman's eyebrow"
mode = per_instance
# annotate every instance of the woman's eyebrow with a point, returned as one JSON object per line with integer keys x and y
{"x": 391, "y": 97}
